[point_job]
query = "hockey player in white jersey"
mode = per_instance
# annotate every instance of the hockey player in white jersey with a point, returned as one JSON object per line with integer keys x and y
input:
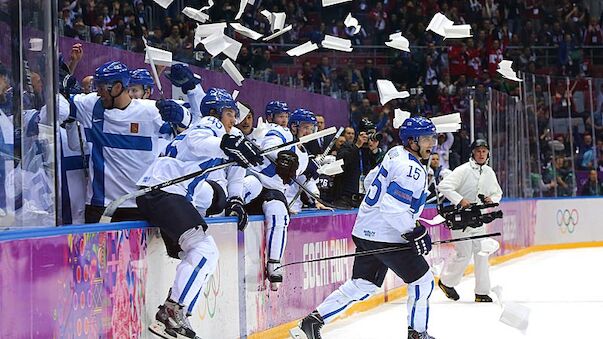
{"x": 122, "y": 134}
{"x": 264, "y": 191}
{"x": 388, "y": 217}
{"x": 172, "y": 208}
{"x": 462, "y": 187}
{"x": 141, "y": 84}
{"x": 277, "y": 112}
{"x": 303, "y": 122}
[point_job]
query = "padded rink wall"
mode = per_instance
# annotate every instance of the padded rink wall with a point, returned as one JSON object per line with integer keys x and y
{"x": 107, "y": 280}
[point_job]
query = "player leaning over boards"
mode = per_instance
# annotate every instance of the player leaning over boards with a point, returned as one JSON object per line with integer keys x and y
{"x": 173, "y": 211}
{"x": 123, "y": 135}
{"x": 462, "y": 187}
{"x": 388, "y": 217}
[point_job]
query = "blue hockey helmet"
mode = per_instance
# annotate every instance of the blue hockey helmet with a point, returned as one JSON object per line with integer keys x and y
{"x": 414, "y": 128}
{"x": 301, "y": 115}
{"x": 142, "y": 77}
{"x": 276, "y": 107}
{"x": 112, "y": 72}
{"x": 216, "y": 100}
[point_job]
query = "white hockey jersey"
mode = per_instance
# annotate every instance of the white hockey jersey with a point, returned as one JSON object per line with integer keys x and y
{"x": 230, "y": 178}
{"x": 192, "y": 150}
{"x": 122, "y": 143}
{"x": 394, "y": 200}
{"x": 277, "y": 135}
{"x": 470, "y": 180}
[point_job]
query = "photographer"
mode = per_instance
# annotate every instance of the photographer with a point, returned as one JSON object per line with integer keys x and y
{"x": 358, "y": 159}
{"x": 462, "y": 187}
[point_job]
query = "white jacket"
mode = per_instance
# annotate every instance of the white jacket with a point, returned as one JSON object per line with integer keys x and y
{"x": 470, "y": 180}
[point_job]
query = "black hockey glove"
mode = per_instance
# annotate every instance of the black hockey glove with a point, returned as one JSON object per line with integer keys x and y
{"x": 287, "y": 163}
{"x": 241, "y": 150}
{"x": 419, "y": 240}
{"x": 234, "y": 207}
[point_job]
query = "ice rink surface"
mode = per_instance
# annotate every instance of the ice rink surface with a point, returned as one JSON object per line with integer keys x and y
{"x": 563, "y": 290}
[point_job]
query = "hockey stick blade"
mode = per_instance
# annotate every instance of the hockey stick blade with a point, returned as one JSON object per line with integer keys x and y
{"x": 391, "y": 249}
{"x": 112, "y": 207}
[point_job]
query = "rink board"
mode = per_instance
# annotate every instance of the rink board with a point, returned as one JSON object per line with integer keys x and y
{"x": 107, "y": 280}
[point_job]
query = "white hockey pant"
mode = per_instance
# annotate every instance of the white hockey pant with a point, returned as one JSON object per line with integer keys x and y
{"x": 252, "y": 187}
{"x": 198, "y": 264}
{"x": 417, "y": 305}
{"x": 277, "y": 220}
{"x": 203, "y": 198}
{"x": 455, "y": 266}
{"x": 351, "y": 291}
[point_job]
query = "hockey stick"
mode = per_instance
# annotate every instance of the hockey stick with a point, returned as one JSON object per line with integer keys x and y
{"x": 391, "y": 249}
{"x": 322, "y": 156}
{"x": 112, "y": 207}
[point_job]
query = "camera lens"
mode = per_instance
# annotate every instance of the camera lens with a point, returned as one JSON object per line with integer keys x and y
{"x": 375, "y": 136}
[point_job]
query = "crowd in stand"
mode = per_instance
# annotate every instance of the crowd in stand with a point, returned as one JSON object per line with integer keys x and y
{"x": 443, "y": 74}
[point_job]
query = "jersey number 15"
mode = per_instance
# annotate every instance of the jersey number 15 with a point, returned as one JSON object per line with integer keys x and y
{"x": 377, "y": 183}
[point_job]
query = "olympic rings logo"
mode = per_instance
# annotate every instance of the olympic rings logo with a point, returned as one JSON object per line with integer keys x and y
{"x": 567, "y": 220}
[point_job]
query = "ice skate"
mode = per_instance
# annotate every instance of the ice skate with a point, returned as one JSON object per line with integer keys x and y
{"x": 171, "y": 323}
{"x": 482, "y": 298}
{"x": 275, "y": 277}
{"x": 412, "y": 334}
{"x": 450, "y": 292}
{"x": 309, "y": 327}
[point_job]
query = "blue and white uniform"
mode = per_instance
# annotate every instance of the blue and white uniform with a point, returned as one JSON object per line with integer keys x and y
{"x": 394, "y": 200}
{"x": 73, "y": 175}
{"x": 122, "y": 144}
{"x": 192, "y": 150}
{"x": 264, "y": 179}
{"x": 396, "y": 195}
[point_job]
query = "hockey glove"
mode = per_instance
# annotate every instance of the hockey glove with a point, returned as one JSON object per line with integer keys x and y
{"x": 234, "y": 207}
{"x": 419, "y": 240}
{"x": 181, "y": 76}
{"x": 311, "y": 169}
{"x": 287, "y": 163}
{"x": 171, "y": 111}
{"x": 241, "y": 150}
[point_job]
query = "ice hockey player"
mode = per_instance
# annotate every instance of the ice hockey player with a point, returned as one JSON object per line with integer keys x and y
{"x": 123, "y": 134}
{"x": 388, "y": 217}
{"x": 462, "y": 187}
{"x": 303, "y": 122}
{"x": 172, "y": 210}
{"x": 141, "y": 84}
{"x": 277, "y": 112}
{"x": 264, "y": 192}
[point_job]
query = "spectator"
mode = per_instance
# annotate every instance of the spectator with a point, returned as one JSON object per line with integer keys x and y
{"x": 349, "y": 134}
{"x": 592, "y": 186}
{"x": 358, "y": 160}
{"x": 352, "y": 74}
{"x": 431, "y": 78}
{"x": 445, "y": 142}
{"x": 379, "y": 21}
{"x": 564, "y": 176}
{"x": 261, "y": 60}
{"x": 370, "y": 75}
{"x": 244, "y": 61}
{"x": 322, "y": 74}
{"x": 173, "y": 41}
{"x": 460, "y": 150}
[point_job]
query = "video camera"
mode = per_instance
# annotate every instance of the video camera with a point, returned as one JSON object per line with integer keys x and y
{"x": 458, "y": 218}
{"x": 368, "y": 127}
